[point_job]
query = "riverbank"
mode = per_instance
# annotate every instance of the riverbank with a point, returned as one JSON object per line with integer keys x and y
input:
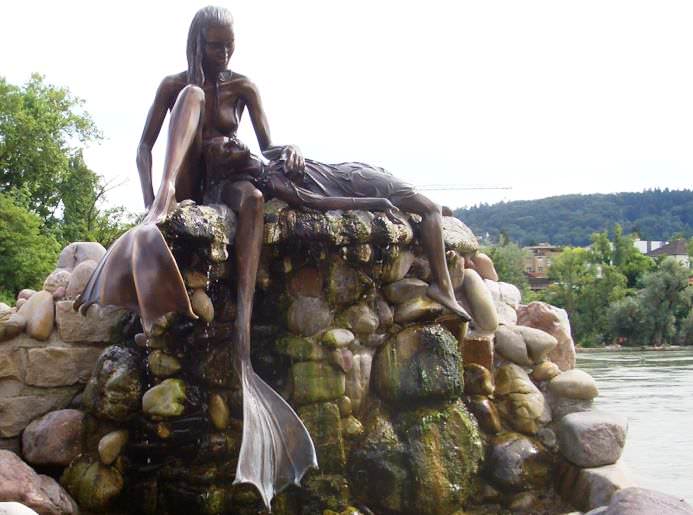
{"x": 621, "y": 348}
{"x": 654, "y": 390}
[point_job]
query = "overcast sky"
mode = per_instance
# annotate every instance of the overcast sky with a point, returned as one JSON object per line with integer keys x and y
{"x": 543, "y": 97}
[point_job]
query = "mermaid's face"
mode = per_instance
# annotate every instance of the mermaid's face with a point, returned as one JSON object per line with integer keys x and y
{"x": 218, "y": 46}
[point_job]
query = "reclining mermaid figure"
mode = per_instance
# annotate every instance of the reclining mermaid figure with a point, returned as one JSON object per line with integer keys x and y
{"x": 205, "y": 162}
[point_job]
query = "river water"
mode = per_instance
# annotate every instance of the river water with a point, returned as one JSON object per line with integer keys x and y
{"x": 654, "y": 390}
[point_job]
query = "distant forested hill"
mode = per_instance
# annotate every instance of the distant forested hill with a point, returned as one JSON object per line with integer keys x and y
{"x": 571, "y": 219}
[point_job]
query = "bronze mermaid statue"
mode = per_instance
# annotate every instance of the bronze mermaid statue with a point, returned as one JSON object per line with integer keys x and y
{"x": 205, "y": 162}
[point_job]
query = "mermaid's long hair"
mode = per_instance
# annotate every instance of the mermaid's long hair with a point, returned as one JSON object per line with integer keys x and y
{"x": 206, "y": 17}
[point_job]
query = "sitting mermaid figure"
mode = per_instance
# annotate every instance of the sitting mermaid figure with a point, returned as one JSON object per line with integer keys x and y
{"x": 205, "y": 162}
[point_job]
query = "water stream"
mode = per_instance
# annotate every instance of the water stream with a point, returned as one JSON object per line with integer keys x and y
{"x": 654, "y": 390}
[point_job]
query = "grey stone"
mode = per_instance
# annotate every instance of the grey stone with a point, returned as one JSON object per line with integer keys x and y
{"x": 361, "y": 319}
{"x": 309, "y": 315}
{"x": 515, "y": 463}
{"x": 538, "y": 342}
{"x": 115, "y": 389}
{"x": 79, "y": 278}
{"x": 54, "y": 439}
{"x": 595, "y": 487}
{"x": 511, "y": 346}
{"x": 592, "y": 438}
{"x": 641, "y": 501}
{"x": 574, "y": 384}
{"x": 95, "y": 326}
{"x": 80, "y": 251}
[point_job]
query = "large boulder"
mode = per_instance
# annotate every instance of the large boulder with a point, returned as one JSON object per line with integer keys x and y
{"x": 641, "y": 501}
{"x": 419, "y": 363}
{"x": 480, "y": 302}
{"x": 445, "y": 443}
{"x": 54, "y": 439}
{"x": 574, "y": 384}
{"x": 592, "y": 438}
{"x": 519, "y": 400}
{"x": 19, "y": 483}
{"x": 554, "y": 321}
{"x": 515, "y": 463}
{"x": 80, "y": 251}
{"x": 115, "y": 390}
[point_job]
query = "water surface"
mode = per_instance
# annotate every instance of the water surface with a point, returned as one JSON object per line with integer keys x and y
{"x": 654, "y": 390}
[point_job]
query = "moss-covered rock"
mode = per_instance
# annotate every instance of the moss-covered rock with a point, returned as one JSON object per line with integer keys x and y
{"x": 316, "y": 382}
{"x": 325, "y": 427}
{"x": 300, "y": 349}
{"x": 444, "y": 449}
{"x": 166, "y": 399}
{"x": 420, "y": 363}
{"x": 115, "y": 388}
{"x": 93, "y": 484}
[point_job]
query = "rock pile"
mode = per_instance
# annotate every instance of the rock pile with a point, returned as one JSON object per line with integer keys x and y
{"x": 411, "y": 411}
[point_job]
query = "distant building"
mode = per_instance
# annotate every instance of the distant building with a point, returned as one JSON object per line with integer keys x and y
{"x": 538, "y": 261}
{"x": 678, "y": 249}
{"x": 645, "y": 246}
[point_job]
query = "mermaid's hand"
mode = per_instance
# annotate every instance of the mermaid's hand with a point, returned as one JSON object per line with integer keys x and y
{"x": 293, "y": 160}
{"x": 395, "y": 215}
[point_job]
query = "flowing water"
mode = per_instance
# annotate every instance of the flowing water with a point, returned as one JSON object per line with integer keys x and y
{"x": 654, "y": 390}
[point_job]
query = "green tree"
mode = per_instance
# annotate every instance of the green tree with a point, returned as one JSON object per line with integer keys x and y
{"x": 27, "y": 254}
{"x": 509, "y": 261}
{"x": 43, "y": 129}
{"x": 585, "y": 289}
{"x": 665, "y": 300}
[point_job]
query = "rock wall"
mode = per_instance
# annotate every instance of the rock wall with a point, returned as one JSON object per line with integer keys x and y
{"x": 411, "y": 411}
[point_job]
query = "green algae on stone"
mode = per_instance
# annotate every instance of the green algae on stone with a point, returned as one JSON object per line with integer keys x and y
{"x": 162, "y": 364}
{"x": 336, "y": 338}
{"x": 444, "y": 449}
{"x": 324, "y": 492}
{"x": 325, "y": 427}
{"x": 420, "y": 363}
{"x": 165, "y": 399}
{"x": 379, "y": 470}
{"x": 316, "y": 382}
{"x": 300, "y": 349}
{"x": 93, "y": 484}
{"x": 344, "y": 283}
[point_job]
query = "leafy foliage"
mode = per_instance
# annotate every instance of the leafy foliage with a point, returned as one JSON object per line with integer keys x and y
{"x": 27, "y": 254}
{"x": 48, "y": 195}
{"x": 572, "y": 219}
{"x": 508, "y": 260}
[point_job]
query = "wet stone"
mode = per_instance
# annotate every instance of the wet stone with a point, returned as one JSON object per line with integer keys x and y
{"x": 404, "y": 290}
{"x": 336, "y": 338}
{"x": 165, "y": 399}
{"x": 315, "y": 382}
{"x": 477, "y": 380}
{"x": 93, "y": 484}
{"x": 486, "y": 414}
{"x": 325, "y": 427}
{"x": 420, "y": 308}
{"x": 515, "y": 463}
{"x": 300, "y": 349}
{"x": 162, "y": 364}
{"x": 309, "y": 315}
{"x": 361, "y": 319}
{"x": 111, "y": 445}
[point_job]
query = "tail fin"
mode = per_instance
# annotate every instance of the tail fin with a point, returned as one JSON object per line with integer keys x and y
{"x": 277, "y": 449}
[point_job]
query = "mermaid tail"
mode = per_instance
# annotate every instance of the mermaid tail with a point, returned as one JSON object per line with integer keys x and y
{"x": 140, "y": 274}
{"x": 276, "y": 449}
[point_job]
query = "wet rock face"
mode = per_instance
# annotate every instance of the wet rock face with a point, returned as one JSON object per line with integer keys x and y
{"x": 114, "y": 391}
{"x": 420, "y": 363}
{"x": 515, "y": 463}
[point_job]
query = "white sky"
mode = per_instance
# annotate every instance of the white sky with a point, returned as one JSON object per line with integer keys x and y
{"x": 546, "y": 97}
